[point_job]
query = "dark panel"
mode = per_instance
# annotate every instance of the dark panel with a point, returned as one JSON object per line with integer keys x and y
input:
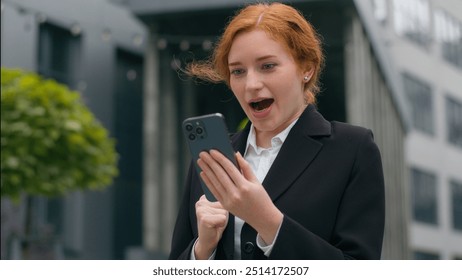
{"x": 58, "y": 54}
{"x": 128, "y": 132}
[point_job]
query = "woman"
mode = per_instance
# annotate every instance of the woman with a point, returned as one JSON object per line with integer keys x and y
{"x": 306, "y": 188}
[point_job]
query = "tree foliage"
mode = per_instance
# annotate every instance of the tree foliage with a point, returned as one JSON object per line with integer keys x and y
{"x": 51, "y": 143}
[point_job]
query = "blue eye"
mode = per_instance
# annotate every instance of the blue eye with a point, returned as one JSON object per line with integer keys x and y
{"x": 268, "y": 66}
{"x": 237, "y": 71}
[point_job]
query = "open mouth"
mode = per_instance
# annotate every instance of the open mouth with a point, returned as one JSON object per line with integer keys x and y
{"x": 261, "y": 105}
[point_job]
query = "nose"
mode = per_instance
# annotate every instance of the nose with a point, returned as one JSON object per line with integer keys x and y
{"x": 253, "y": 81}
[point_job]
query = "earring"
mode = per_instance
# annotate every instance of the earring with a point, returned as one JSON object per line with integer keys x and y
{"x": 305, "y": 79}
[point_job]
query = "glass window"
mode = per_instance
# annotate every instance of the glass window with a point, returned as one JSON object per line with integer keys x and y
{"x": 421, "y": 103}
{"x": 58, "y": 53}
{"x": 454, "y": 121}
{"x": 420, "y": 255}
{"x": 412, "y": 20}
{"x": 424, "y": 201}
{"x": 456, "y": 195}
{"x": 448, "y": 33}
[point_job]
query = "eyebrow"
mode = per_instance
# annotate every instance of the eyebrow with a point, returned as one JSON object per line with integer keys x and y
{"x": 258, "y": 59}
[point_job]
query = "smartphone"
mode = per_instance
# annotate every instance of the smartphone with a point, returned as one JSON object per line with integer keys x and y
{"x": 204, "y": 133}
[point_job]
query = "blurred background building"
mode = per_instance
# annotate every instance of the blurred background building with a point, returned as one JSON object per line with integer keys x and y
{"x": 424, "y": 38}
{"x": 392, "y": 66}
{"x": 97, "y": 48}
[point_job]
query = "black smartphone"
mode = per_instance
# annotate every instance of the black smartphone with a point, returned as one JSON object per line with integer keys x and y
{"x": 204, "y": 133}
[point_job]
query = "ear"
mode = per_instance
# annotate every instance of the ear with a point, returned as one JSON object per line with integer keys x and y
{"x": 308, "y": 74}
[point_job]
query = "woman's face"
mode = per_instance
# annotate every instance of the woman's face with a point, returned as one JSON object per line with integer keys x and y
{"x": 266, "y": 81}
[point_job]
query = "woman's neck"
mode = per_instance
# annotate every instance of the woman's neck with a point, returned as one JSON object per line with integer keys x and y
{"x": 263, "y": 138}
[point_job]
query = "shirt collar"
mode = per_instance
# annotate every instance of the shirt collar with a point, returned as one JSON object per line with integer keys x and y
{"x": 276, "y": 141}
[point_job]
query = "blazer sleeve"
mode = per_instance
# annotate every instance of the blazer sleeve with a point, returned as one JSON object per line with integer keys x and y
{"x": 359, "y": 226}
{"x": 183, "y": 236}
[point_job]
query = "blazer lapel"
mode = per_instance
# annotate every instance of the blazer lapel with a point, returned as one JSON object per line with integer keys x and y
{"x": 288, "y": 163}
{"x": 297, "y": 152}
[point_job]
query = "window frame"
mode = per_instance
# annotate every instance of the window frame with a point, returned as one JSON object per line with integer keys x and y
{"x": 422, "y": 178}
{"x": 418, "y": 92}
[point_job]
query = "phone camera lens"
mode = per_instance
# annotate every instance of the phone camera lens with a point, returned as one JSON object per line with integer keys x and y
{"x": 199, "y": 130}
{"x": 192, "y": 137}
{"x": 189, "y": 127}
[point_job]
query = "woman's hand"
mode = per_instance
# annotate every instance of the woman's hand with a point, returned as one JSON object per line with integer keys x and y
{"x": 212, "y": 219}
{"x": 240, "y": 192}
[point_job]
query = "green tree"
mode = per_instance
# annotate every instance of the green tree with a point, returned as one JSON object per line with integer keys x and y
{"x": 51, "y": 143}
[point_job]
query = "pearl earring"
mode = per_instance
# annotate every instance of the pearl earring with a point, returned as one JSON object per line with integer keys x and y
{"x": 305, "y": 78}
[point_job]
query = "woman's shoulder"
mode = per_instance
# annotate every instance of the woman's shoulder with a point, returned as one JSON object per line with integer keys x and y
{"x": 353, "y": 134}
{"x": 346, "y": 129}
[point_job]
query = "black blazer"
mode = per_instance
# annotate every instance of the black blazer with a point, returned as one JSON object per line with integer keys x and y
{"x": 328, "y": 182}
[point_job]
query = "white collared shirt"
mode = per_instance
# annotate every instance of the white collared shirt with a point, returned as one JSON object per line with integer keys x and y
{"x": 260, "y": 160}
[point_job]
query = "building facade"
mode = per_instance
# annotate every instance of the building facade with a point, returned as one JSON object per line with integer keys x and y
{"x": 96, "y": 48}
{"x": 424, "y": 38}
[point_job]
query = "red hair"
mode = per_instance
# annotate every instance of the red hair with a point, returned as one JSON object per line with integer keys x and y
{"x": 283, "y": 24}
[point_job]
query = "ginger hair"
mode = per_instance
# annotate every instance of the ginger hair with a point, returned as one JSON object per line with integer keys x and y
{"x": 283, "y": 24}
